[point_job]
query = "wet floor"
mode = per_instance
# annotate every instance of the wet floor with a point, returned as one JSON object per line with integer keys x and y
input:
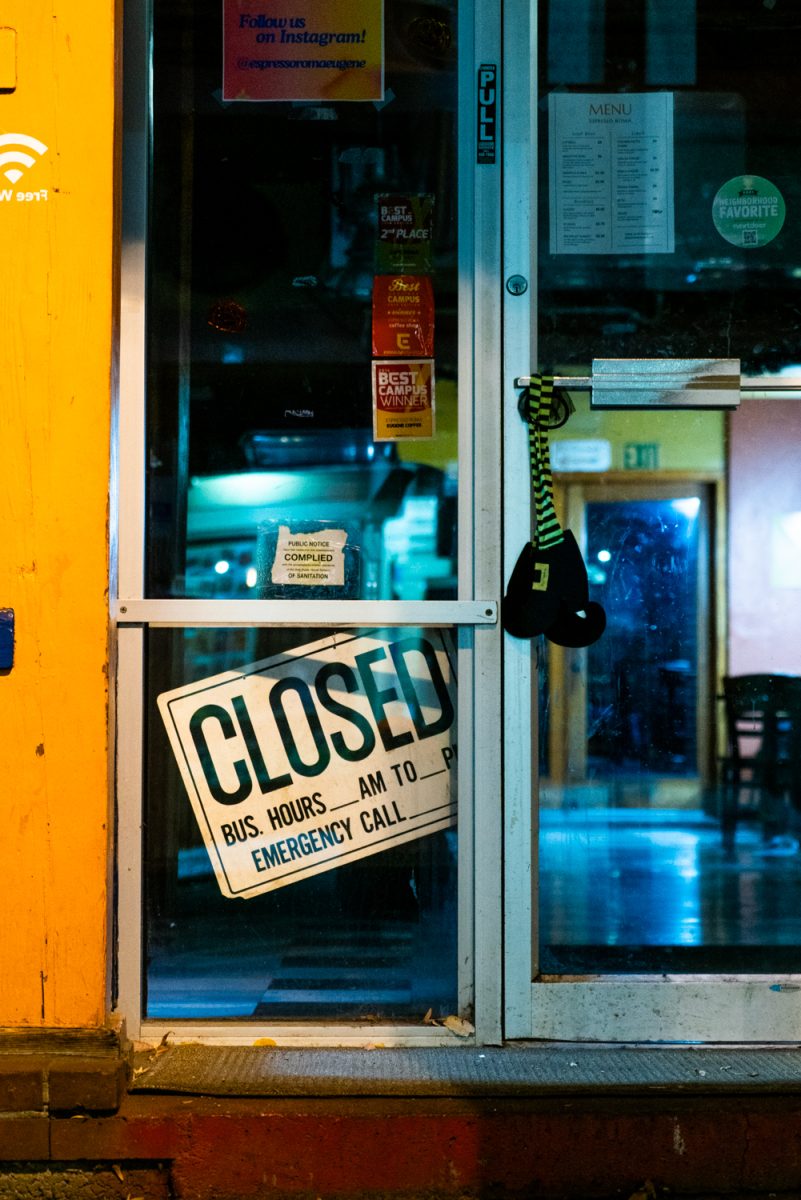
{"x": 621, "y": 890}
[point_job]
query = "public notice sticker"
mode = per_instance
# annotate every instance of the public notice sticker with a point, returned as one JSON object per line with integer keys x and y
{"x": 319, "y": 756}
{"x": 310, "y": 559}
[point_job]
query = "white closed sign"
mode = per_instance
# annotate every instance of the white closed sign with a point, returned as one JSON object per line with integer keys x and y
{"x": 318, "y": 756}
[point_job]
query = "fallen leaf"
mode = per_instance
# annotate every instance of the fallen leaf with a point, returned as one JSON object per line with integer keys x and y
{"x": 428, "y": 1019}
{"x": 117, "y": 1169}
{"x": 459, "y": 1026}
{"x": 164, "y": 1044}
{"x": 646, "y": 1192}
{"x": 265, "y": 1042}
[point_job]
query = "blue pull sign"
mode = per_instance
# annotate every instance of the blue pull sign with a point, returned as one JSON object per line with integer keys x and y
{"x": 487, "y": 104}
{"x": 6, "y": 639}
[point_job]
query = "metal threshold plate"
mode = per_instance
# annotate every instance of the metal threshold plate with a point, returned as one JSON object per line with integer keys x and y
{"x": 467, "y": 1071}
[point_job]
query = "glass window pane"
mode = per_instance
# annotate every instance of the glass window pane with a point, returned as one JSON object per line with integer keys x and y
{"x": 673, "y": 238}
{"x": 277, "y": 226}
{"x": 300, "y": 824}
{"x": 670, "y": 749}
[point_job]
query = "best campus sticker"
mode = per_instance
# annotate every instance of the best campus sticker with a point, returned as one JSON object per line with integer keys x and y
{"x": 405, "y": 233}
{"x": 403, "y": 316}
{"x": 403, "y": 399}
{"x": 319, "y": 756}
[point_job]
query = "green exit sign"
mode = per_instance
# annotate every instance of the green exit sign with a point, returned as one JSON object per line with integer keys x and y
{"x": 641, "y": 456}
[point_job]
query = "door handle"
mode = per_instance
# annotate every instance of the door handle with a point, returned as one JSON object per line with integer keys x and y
{"x": 656, "y": 383}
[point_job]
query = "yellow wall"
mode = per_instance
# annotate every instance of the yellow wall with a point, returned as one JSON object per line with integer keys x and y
{"x": 679, "y": 439}
{"x": 55, "y": 348}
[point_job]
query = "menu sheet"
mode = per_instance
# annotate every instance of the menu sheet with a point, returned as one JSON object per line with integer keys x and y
{"x": 611, "y": 173}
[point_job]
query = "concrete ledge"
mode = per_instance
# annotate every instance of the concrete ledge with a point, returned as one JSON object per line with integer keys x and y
{"x": 24, "y": 1138}
{"x": 547, "y": 1121}
{"x": 22, "y": 1084}
{"x": 442, "y": 1149}
{"x": 87, "y": 1041}
{"x": 91, "y": 1085}
{"x": 67, "y": 1070}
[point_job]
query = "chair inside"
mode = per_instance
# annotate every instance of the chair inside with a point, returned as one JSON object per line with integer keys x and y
{"x": 763, "y": 752}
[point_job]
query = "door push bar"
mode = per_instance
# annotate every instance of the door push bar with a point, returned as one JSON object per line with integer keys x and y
{"x": 656, "y": 382}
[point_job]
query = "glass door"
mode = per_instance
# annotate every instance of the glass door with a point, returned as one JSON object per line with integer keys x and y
{"x": 665, "y": 850}
{"x": 308, "y": 562}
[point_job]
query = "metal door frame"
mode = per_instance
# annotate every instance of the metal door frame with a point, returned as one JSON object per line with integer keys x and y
{"x": 474, "y": 613}
{"x": 709, "y": 1008}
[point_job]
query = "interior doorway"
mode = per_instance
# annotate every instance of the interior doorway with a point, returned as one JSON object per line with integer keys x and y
{"x": 634, "y": 712}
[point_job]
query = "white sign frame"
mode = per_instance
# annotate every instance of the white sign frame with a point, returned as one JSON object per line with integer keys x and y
{"x": 270, "y": 814}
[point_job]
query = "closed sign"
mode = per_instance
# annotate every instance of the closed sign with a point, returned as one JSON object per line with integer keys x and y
{"x": 318, "y": 756}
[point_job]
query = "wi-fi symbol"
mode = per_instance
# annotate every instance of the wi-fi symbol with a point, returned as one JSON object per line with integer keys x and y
{"x": 18, "y": 155}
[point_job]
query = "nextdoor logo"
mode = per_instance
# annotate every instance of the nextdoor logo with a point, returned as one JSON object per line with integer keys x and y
{"x": 22, "y": 153}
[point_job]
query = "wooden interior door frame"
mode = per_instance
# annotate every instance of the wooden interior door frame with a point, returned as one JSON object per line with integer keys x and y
{"x": 567, "y": 673}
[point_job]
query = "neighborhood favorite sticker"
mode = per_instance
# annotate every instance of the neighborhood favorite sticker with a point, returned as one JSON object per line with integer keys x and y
{"x": 317, "y": 757}
{"x": 748, "y": 211}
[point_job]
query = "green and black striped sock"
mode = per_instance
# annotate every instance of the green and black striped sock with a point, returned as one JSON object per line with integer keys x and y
{"x": 548, "y": 530}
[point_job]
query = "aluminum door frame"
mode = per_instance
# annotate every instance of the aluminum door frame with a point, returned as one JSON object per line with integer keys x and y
{"x": 474, "y": 613}
{"x": 676, "y": 1008}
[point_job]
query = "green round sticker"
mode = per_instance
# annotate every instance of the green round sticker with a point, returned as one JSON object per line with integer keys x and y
{"x": 748, "y": 211}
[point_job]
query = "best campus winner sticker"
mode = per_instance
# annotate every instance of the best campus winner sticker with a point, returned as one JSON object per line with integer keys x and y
{"x": 748, "y": 211}
{"x": 403, "y": 399}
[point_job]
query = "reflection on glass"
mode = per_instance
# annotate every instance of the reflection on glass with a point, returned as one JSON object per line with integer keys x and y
{"x": 642, "y": 674}
{"x": 671, "y": 822}
{"x": 300, "y": 824}
{"x": 724, "y": 291}
{"x": 669, "y": 840}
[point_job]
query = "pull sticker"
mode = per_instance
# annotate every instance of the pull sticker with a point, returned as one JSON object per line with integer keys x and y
{"x": 748, "y": 211}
